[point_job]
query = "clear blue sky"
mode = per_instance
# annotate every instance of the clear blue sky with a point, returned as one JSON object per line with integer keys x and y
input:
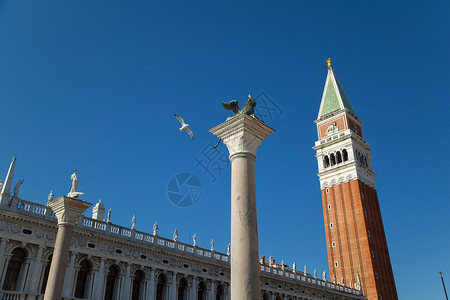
{"x": 95, "y": 84}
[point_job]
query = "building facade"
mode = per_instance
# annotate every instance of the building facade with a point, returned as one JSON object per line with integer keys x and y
{"x": 358, "y": 254}
{"x": 112, "y": 262}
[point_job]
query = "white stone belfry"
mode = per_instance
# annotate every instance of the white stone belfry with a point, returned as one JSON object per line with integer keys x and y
{"x": 67, "y": 211}
{"x": 242, "y": 135}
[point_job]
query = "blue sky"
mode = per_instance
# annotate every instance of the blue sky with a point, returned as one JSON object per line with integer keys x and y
{"x": 95, "y": 84}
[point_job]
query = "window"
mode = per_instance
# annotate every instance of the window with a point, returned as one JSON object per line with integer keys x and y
{"x": 13, "y": 271}
{"x": 326, "y": 161}
{"x": 335, "y": 264}
{"x": 182, "y": 289}
{"x": 137, "y": 283}
{"x": 376, "y": 275}
{"x": 82, "y": 278}
{"x": 368, "y": 233}
{"x": 113, "y": 272}
{"x": 365, "y": 214}
{"x": 329, "y": 206}
{"x": 333, "y": 244}
{"x": 327, "y": 190}
{"x": 46, "y": 272}
{"x": 373, "y": 254}
{"x": 219, "y": 293}
{"x": 344, "y": 155}
{"x": 201, "y": 291}
{"x": 332, "y": 159}
{"x": 161, "y": 283}
{"x": 362, "y": 195}
{"x": 331, "y": 225}
{"x": 338, "y": 157}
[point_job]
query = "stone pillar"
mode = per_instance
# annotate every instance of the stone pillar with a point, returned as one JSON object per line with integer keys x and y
{"x": 98, "y": 281}
{"x": 2, "y": 258}
{"x": 126, "y": 283}
{"x": 193, "y": 289}
{"x": 67, "y": 211}
{"x": 33, "y": 279}
{"x": 151, "y": 285}
{"x": 173, "y": 286}
{"x": 242, "y": 135}
{"x": 212, "y": 290}
{"x": 68, "y": 283}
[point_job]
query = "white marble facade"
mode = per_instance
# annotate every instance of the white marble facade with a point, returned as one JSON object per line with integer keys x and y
{"x": 112, "y": 262}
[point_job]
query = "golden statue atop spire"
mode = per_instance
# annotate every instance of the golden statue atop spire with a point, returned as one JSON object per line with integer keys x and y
{"x": 329, "y": 62}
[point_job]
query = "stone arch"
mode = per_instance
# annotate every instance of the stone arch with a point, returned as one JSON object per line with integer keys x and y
{"x": 137, "y": 284}
{"x": 83, "y": 276}
{"x": 111, "y": 285}
{"x": 15, "y": 269}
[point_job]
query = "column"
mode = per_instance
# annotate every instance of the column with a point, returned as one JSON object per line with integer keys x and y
{"x": 33, "y": 280}
{"x": 212, "y": 290}
{"x": 68, "y": 283}
{"x": 151, "y": 285}
{"x": 98, "y": 281}
{"x": 24, "y": 273}
{"x": 6, "y": 260}
{"x": 67, "y": 211}
{"x": 173, "y": 286}
{"x": 3, "y": 259}
{"x": 193, "y": 289}
{"x": 242, "y": 135}
{"x": 126, "y": 282}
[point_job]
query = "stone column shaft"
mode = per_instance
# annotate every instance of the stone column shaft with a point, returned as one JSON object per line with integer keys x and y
{"x": 68, "y": 283}
{"x": 173, "y": 286}
{"x": 67, "y": 211}
{"x": 194, "y": 289}
{"x": 126, "y": 283}
{"x": 98, "y": 281}
{"x": 243, "y": 135}
{"x": 151, "y": 285}
{"x": 33, "y": 279}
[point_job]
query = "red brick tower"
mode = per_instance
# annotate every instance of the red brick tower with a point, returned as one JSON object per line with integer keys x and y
{"x": 358, "y": 254}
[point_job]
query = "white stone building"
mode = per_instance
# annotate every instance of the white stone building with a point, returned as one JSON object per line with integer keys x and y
{"x": 111, "y": 262}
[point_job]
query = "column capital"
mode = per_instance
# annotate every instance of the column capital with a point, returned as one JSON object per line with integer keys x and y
{"x": 242, "y": 134}
{"x": 67, "y": 210}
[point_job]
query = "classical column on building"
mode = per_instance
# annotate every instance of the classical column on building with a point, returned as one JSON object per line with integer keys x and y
{"x": 70, "y": 273}
{"x": 242, "y": 135}
{"x": 193, "y": 288}
{"x": 126, "y": 283}
{"x": 3, "y": 259}
{"x": 99, "y": 279}
{"x": 173, "y": 286}
{"x": 151, "y": 285}
{"x": 33, "y": 280}
{"x": 211, "y": 289}
{"x": 67, "y": 211}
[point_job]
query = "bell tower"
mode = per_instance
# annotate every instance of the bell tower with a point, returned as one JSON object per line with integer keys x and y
{"x": 358, "y": 254}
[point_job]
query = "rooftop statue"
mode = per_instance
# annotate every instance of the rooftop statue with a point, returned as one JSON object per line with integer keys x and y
{"x": 17, "y": 187}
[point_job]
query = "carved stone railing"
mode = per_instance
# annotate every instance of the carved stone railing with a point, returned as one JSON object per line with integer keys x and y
{"x": 308, "y": 279}
{"x": 11, "y": 295}
{"x": 34, "y": 209}
{"x": 149, "y": 239}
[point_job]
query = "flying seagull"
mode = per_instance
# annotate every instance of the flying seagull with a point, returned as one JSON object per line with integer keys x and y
{"x": 184, "y": 126}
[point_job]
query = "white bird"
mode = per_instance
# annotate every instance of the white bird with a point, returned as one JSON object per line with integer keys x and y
{"x": 185, "y": 126}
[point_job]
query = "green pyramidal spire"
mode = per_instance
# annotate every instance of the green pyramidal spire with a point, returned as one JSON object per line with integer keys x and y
{"x": 333, "y": 98}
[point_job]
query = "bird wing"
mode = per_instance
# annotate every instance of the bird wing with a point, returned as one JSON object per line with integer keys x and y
{"x": 191, "y": 134}
{"x": 232, "y": 105}
{"x": 180, "y": 119}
